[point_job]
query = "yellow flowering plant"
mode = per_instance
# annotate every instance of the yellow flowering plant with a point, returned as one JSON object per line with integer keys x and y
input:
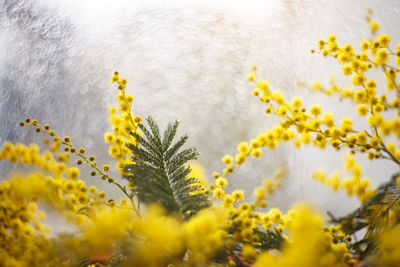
{"x": 170, "y": 216}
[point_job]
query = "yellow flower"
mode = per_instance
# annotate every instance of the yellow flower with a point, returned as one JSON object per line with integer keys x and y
{"x": 331, "y": 37}
{"x": 347, "y": 124}
{"x": 137, "y": 119}
{"x": 374, "y": 26}
{"x": 371, "y": 84}
{"x": 263, "y": 85}
{"x": 362, "y": 110}
{"x": 73, "y": 173}
{"x": 381, "y": 56}
{"x": 328, "y": 119}
{"x": 378, "y": 108}
{"x": 114, "y": 78}
{"x": 335, "y": 132}
{"x": 256, "y": 152}
{"x": 269, "y": 109}
{"x": 360, "y": 96}
{"x": 251, "y": 77}
{"x": 362, "y": 137}
{"x": 315, "y": 110}
{"x": 364, "y": 45}
{"x": 282, "y": 110}
{"x": 244, "y": 207}
{"x": 108, "y": 137}
{"x": 243, "y": 147}
{"x": 227, "y": 202}
{"x": 255, "y": 143}
{"x": 256, "y": 92}
{"x": 297, "y": 102}
{"x": 237, "y": 195}
{"x": 248, "y": 252}
{"x": 221, "y": 182}
{"x": 383, "y": 40}
{"x": 347, "y": 69}
{"x": 344, "y": 57}
{"x": 278, "y": 97}
{"x": 321, "y": 44}
{"x": 375, "y": 120}
{"x": 227, "y": 159}
{"x": 319, "y": 175}
{"x": 389, "y": 246}
{"x": 358, "y": 79}
{"x": 259, "y": 193}
{"x": 197, "y": 172}
{"x": 374, "y": 142}
{"x": 317, "y": 85}
{"x": 218, "y": 193}
{"x": 240, "y": 158}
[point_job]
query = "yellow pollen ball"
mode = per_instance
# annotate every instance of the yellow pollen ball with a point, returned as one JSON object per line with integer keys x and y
{"x": 73, "y": 173}
{"x": 243, "y": 147}
{"x": 221, "y": 182}
{"x": 227, "y": 159}
{"x": 218, "y": 193}
{"x": 315, "y": 110}
{"x": 108, "y": 137}
{"x": 263, "y": 85}
{"x": 358, "y": 79}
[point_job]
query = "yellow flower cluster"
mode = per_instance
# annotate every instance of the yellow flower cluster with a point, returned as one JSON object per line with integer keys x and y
{"x": 48, "y": 162}
{"x": 20, "y": 222}
{"x": 197, "y": 172}
{"x": 371, "y": 102}
{"x": 354, "y": 185}
{"x": 23, "y": 236}
{"x": 106, "y": 228}
{"x": 102, "y": 224}
{"x": 374, "y": 54}
{"x": 61, "y": 168}
{"x": 270, "y": 185}
{"x": 312, "y": 125}
{"x": 310, "y": 245}
{"x": 159, "y": 240}
{"x": 294, "y": 226}
{"x": 230, "y": 232}
{"x": 390, "y": 246}
{"x": 320, "y": 128}
{"x": 123, "y": 123}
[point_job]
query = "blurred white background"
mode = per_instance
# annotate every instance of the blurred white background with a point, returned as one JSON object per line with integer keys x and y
{"x": 185, "y": 60}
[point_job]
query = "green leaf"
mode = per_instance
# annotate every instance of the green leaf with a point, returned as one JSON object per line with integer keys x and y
{"x": 159, "y": 173}
{"x": 271, "y": 239}
{"x": 169, "y": 134}
{"x": 372, "y": 215}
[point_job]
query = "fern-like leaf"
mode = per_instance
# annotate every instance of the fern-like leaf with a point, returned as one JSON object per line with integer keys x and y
{"x": 159, "y": 173}
{"x": 373, "y": 215}
{"x": 271, "y": 239}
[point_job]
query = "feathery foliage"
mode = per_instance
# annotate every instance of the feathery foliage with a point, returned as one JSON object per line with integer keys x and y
{"x": 159, "y": 173}
{"x": 374, "y": 213}
{"x": 270, "y": 239}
